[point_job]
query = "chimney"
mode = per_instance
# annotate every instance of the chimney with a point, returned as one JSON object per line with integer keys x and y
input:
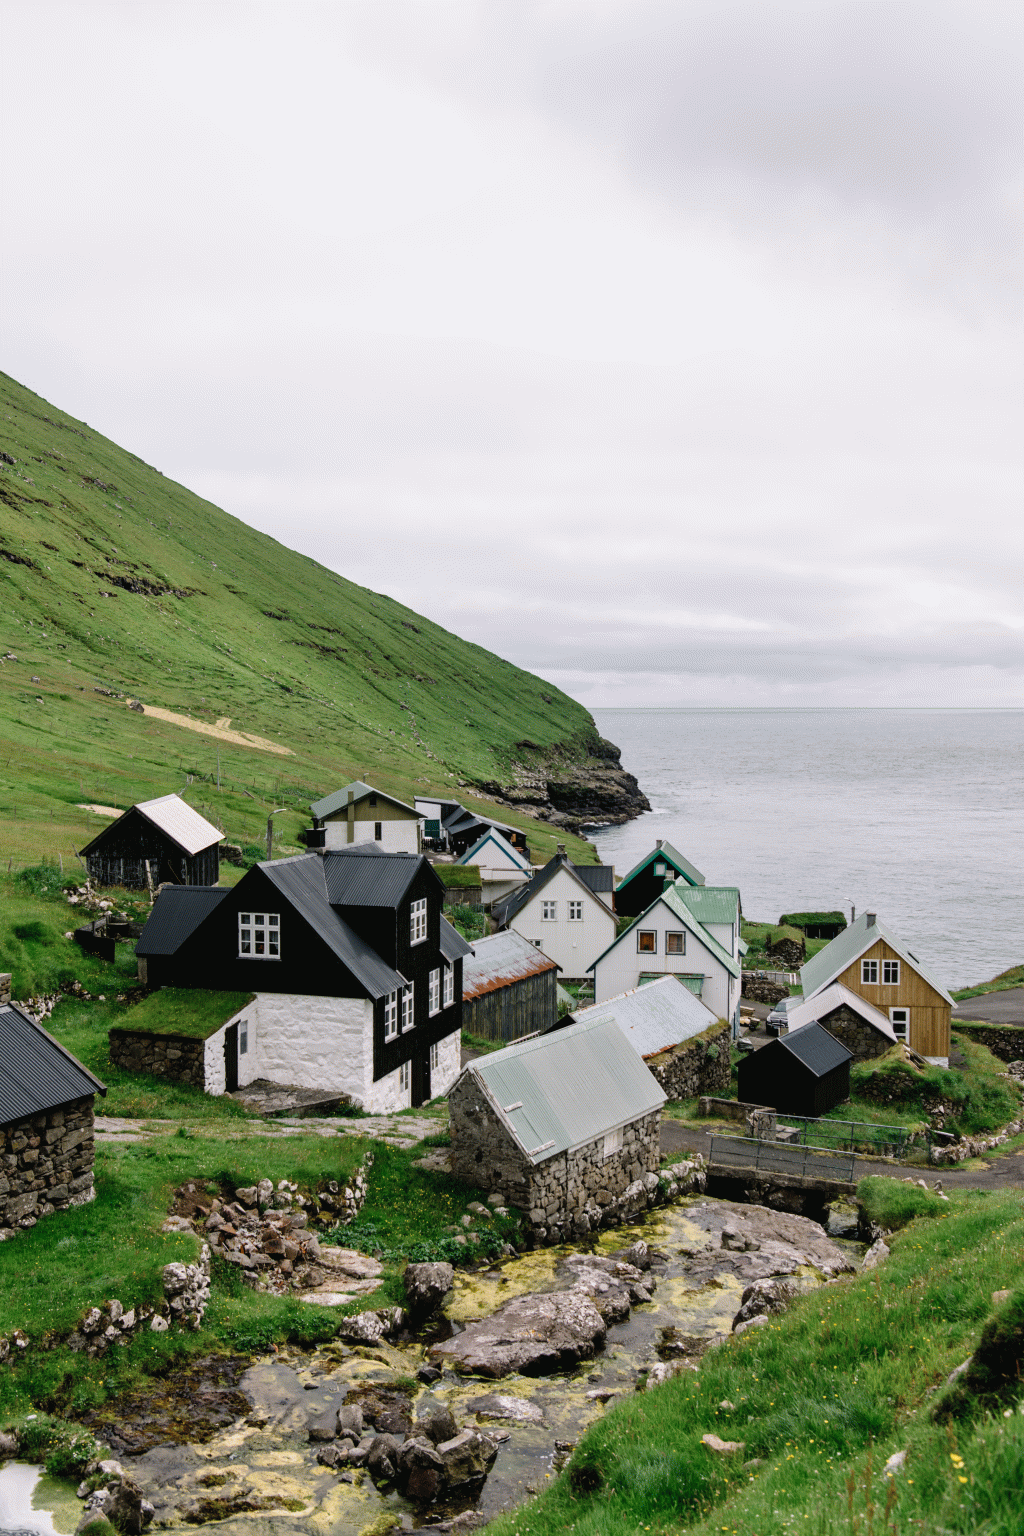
{"x": 350, "y": 831}
{"x": 661, "y": 842}
{"x": 871, "y": 919}
{"x": 560, "y": 850}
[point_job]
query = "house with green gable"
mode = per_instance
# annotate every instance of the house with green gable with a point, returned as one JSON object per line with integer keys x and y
{"x": 646, "y": 880}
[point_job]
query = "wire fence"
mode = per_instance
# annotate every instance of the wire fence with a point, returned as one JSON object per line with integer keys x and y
{"x": 866, "y": 1137}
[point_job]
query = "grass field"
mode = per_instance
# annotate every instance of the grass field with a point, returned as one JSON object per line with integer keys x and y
{"x": 118, "y": 584}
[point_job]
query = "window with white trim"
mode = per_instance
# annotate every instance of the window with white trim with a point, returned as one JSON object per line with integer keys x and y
{"x": 434, "y": 991}
{"x": 575, "y": 911}
{"x": 418, "y": 921}
{"x": 391, "y": 1016}
{"x": 675, "y": 943}
{"x": 869, "y": 973}
{"x": 613, "y": 1142}
{"x": 899, "y": 1018}
{"x": 435, "y": 1056}
{"x": 404, "y": 1076}
{"x": 259, "y": 935}
{"x": 890, "y": 973}
{"x": 449, "y": 985}
{"x": 408, "y": 1007}
{"x": 646, "y": 941}
{"x": 549, "y": 911}
{"x": 537, "y": 943}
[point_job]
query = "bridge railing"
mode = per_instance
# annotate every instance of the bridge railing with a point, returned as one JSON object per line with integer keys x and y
{"x": 773, "y": 1157}
{"x": 868, "y": 1138}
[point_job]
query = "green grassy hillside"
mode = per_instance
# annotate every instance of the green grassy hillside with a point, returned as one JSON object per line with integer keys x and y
{"x": 117, "y": 584}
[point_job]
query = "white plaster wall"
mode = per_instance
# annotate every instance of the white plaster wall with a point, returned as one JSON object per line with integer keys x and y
{"x": 573, "y": 946}
{"x": 726, "y": 934}
{"x": 214, "y": 1080}
{"x": 494, "y": 885}
{"x": 396, "y": 836}
{"x": 313, "y": 1042}
{"x": 386, "y": 1096}
{"x": 619, "y": 971}
{"x": 449, "y": 1064}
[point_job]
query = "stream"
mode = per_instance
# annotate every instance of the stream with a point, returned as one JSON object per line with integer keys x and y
{"x": 264, "y": 1459}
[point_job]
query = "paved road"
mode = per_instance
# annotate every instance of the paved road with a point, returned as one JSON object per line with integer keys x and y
{"x": 1009, "y": 1170}
{"x": 993, "y": 1007}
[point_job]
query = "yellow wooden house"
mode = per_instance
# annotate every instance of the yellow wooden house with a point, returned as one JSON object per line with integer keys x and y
{"x": 869, "y": 960}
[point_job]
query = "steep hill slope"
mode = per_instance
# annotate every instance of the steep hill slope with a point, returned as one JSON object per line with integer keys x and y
{"x": 119, "y": 588}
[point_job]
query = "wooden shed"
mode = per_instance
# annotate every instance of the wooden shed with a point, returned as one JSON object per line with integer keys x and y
{"x": 509, "y": 988}
{"x": 803, "y": 1073}
{"x": 179, "y": 846}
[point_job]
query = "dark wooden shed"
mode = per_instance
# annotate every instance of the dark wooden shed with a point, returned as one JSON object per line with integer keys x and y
{"x": 179, "y": 846}
{"x": 803, "y": 1073}
{"x": 509, "y": 988}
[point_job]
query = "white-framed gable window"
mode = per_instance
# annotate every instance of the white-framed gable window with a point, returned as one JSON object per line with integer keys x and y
{"x": 418, "y": 921}
{"x": 869, "y": 973}
{"x": 408, "y": 1007}
{"x": 434, "y": 992}
{"x": 391, "y": 1016}
{"x": 899, "y": 1018}
{"x": 549, "y": 911}
{"x": 890, "y": 973}
{"x": 613, "y": 1142}
{"x": 675, "y": 943}
{"x": 259, "y": 935}
{"x": 575, "y": 911}
{"x": 449, "y": 985}
{"x": 404, "y": 1076}
{"x": 659, "y": 869}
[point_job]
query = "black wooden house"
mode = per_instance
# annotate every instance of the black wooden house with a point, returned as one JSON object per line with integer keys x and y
{"x": 156, "y": 842}
{"x": 645, "y": 882}
{"x": 806, "y": 1072}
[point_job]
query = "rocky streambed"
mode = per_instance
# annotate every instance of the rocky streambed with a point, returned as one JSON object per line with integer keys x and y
{"x": 468, "y": 1416}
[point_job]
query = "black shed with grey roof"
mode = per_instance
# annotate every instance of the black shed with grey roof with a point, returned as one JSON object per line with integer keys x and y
{"x": 803, "y": 1073}
{"x": 36, "y": 1072}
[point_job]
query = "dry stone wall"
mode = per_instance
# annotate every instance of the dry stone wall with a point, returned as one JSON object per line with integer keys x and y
{"x": 1004, "y": 1040}
{"x": 853, "y": 1031}
{"x": 698, "y": 1066}
{"x": 178, "y": 1058}
{"x": 45, "y": 1164}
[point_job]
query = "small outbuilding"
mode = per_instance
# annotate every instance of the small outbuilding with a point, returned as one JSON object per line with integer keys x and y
{"x": 46, "y": 1123}
{"x": 805, "y": 1072}
{"x": 682, "y": 1042}
{"x": 156, "y": 842}
{"x": 564, "y": 1127}
{"x": 509, "y": 988}
{"x": 854, "y": 1022}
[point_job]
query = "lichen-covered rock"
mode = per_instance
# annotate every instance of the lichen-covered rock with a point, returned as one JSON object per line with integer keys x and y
{"x": 531, "y": 1334}
{"x": 426, "y": 1286}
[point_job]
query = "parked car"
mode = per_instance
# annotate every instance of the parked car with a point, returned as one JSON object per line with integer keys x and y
{"x": 778, "y": 1019}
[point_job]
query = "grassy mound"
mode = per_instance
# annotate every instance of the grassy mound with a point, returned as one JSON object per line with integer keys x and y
{"x": 976, "y": 1099}
{"x": 892, "y": 1203}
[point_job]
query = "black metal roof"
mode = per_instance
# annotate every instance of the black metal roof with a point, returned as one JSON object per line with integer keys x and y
{"x": 504, "y": 911}
{"x": 177, "y": 913}
{"x": 302, "y": 881}
{"x": 366, "y": 876}
{"x": 453, "y": 945}
{"x": 819, "y": 1051}
{"x": 599, "y": 877}
{"x": 36, "y": 1072}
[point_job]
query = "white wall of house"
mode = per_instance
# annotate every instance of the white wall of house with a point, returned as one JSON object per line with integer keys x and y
{"x": 311, "y": 1042}
{"x": 449, "y": 1064}
{"x": 573, "y": 945}
{"x": 495, "y": 886}
{"x": 727, "y": 935}
{"x": 396, "y": 836}
{"x": 620, "y": 969}
{"x": 213, "y": 1058}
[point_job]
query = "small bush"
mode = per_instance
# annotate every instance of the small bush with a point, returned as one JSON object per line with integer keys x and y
{"x": 993, "y": 1377}
{"x": 891, "y": 1204}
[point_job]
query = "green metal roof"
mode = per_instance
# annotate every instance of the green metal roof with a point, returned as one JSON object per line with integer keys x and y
{"x": 668, "y": 855}
{"x": 711, "y": 903}
{"x": 339, "y": 800}
{"x": 564, "y": 1089}
{"x": 677, "y": 906}
{"x": 848, "y": 946}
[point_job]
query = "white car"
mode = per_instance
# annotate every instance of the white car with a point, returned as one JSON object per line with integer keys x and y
{"x": 779, "y": 1016}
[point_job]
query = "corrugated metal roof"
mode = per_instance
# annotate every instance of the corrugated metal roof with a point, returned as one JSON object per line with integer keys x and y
{"x": 184, "y": 825}
{"x": 671, "y": 856}
{"x": 710, "y": 903}
{"x": 505, "y": 910}
{"x": 502, "y": 847}
{"x": 677, "y": 906}
{"x": 301, "y": 880}
{"x": 500, "y": 960}
{"x": 36, "y": 1072}
{"x": 819, "y": 1051}
{"x": 177, "y": 913}
{"x": 363, "y": 875}
{"x": 599, "y": 877}
{"x": 847, "y": 947}
{"x": 566, "y": 1088}
{"x": 813, "y": 1009}
{"x": 339, "y": 800}
{"x": 654, "y": 1017}
{"x": 452, "y": 943}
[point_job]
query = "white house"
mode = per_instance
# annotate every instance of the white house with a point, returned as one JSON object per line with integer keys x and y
{"x": 361, "y": 814}
{"x": 503, "y": 869}
{"x": 667, "y": 938}
{"x": 563, "y": 915}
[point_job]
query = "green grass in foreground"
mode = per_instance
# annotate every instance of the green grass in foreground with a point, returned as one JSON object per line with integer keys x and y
{"x": 185, "y": 1011}
{"x": 822, "y": 1397}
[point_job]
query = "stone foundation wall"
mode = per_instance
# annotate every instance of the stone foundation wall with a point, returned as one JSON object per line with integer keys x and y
{"x": 179, "y": 1058}
{"x": 1004, "y": 1040}
{"x": 697, "y": 1066}
{"x": 45, "y": 1164}
{"x": 853, "y": 1031}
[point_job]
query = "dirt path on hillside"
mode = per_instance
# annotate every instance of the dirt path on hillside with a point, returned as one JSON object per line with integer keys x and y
{"x": 239, "y": 738}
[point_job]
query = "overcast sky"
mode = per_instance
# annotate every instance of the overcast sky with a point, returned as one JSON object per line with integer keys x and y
{"x": 672, "y": 350}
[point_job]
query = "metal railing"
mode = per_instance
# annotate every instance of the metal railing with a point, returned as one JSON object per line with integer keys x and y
{"x": 864, "y": 1136}
{"x": 775, "y": 1157}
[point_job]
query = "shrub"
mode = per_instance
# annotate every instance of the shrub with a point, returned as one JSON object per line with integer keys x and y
{"x": 891, "y": 1204}
{"x": 993, "y": 1377}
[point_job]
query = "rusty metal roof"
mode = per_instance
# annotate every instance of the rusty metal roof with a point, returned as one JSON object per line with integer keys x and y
{"x": 499, "y": 961}
{"x": 36, "y": 1072}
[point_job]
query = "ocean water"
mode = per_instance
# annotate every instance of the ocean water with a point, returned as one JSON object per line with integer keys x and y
{"x": 916, "y": 814}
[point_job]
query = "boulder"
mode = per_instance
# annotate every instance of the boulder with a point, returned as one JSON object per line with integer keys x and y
{"x": 722, "y": 1447}
{"x": 421, "y": 1470}
{"x": 876, "y": 1254}
{"x": 467, "y": 1459}
{"x": 382, "y": 1458}
{"x": 426, "y": 1286}
{"x": 764, "y": 1297}
{"x": 516, "y": 1410}
{"x": 532, "y": 1334}
{"x": 350, "y": 1420}
{"x": 438, "y": 1424}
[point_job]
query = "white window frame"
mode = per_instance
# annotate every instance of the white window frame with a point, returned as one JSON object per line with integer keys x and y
{"x": 434, "y": 992}
{"x": 391, "y": 1016}
{"x": 449, "y": 986}
{"x": 670, "y": 934}
{"x": 408, "y": 1006}
{"x": 418, "y": 921}
{"x": 890, "y": 973}
{"x": 659, "y": 869}
{"x": 905, "y": 1022}
{"x": 254, "y": 927}
{"x": 549, "y": 911}
{"x": 647, "y": 933}
{"x": 404, "y": 1076}
{"x": 869, "y": 973}
{"x": 435, "y": 1056}
{"x": 575, "y": 911}
{"x": 612, "y": 1142}
{"x": 537, "y": 943}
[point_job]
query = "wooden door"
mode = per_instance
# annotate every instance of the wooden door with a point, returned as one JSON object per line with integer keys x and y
{"x": 231, "y": 1058}
{"x": 420, "y": 1079}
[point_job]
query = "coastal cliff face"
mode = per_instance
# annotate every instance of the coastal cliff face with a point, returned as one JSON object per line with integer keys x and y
{"x": 581, "y": 785}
